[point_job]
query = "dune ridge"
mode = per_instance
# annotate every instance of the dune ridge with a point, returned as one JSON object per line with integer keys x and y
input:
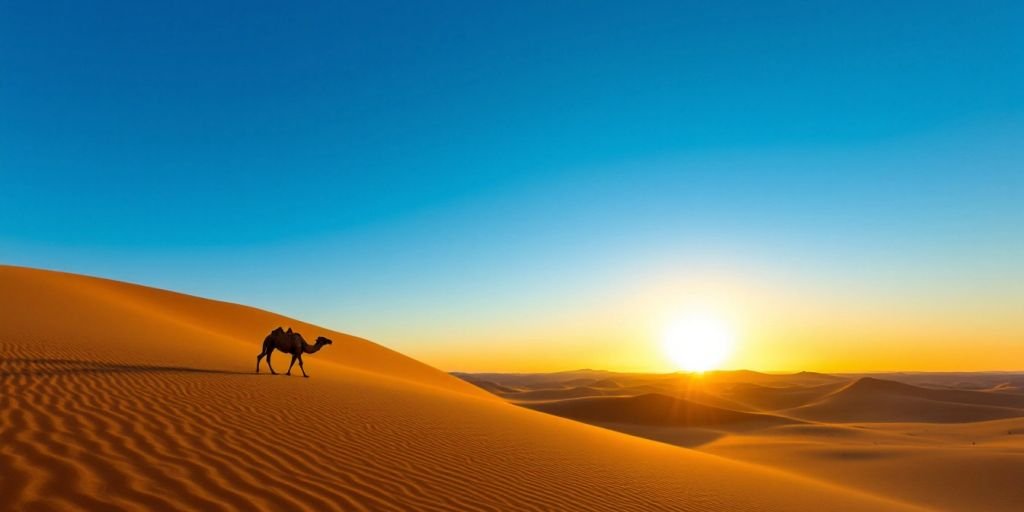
{"x": 118, "y": 396}
{"x": 876, "y": 400}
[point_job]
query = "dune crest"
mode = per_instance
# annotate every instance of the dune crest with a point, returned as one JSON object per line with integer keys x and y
{"x": 870, "y": 399}
{"x": 112, "y": 318}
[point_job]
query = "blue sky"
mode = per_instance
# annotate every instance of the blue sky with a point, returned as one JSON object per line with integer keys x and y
{"x": 459, "y": 171}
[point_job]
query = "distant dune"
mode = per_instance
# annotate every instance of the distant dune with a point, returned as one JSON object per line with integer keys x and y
{"x": 774, "y": 398}
{"x": 949, "y": 380}
{"x": 927, "y": 443}
{"x": 524, "y": 388}
{"x": 492, "y": 387}
{"x": 868, "y": 386}
{"x": 116, "y": 396}
{"x": 875, "y": 400}
{"x": 652, "y": 409}
{"x": 772, "y": 379}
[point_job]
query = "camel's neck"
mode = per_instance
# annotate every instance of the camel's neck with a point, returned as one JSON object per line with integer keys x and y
{"x": 311, "y": 349}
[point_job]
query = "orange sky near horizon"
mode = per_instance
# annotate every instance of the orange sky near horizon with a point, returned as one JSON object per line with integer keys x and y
{"x": 775, "y": 332}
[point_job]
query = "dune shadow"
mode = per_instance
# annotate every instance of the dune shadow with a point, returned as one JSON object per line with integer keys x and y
{"x": 47, "y": 367}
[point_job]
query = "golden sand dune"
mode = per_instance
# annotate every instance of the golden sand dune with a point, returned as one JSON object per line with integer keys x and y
{"x": 652, "y": 409}
{"x": 772, "y": 379}
{"x": 525, "y": 388}
{"x": 872, "y": 387}
{"x": 948, "y": 464}
{"x": 533, "y": 395}
{"x": 950, "y": 380}
{"x": 691, "y": 394}
{"x": 775, "y": 398}
{"x": 123, "y": 397}
{"x": 962, "y": 467}
{"x": 877, "y": 400}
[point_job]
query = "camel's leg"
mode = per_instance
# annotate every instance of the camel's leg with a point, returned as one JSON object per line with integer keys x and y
{"x": 303, "y": 368}
{"x": 271, "y": 351}
{"x": 294, "y": 357}
{"x": 267, "y": 349}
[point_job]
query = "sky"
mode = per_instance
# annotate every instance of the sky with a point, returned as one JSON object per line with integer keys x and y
{"x": 539, "y": 186}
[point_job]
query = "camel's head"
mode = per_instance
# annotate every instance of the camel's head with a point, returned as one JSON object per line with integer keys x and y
{"x": 323, "y": 341}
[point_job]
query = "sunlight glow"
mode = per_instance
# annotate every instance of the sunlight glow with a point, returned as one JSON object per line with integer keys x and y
{"x": 698, "y": 341}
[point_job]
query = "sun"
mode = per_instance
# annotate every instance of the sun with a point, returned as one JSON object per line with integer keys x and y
{"x": 698, "y": 341}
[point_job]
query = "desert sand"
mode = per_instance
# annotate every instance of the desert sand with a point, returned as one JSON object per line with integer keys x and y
{"x": 117, "y": 396}
{"x": 940, "y": 441}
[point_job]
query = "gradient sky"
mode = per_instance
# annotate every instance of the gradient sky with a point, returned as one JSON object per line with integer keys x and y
{"x": 539, "y": 185}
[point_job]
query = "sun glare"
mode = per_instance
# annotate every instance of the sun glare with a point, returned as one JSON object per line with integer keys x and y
{"x": 698, "y": 341}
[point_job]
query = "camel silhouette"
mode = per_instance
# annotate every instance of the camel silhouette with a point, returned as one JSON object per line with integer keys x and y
{"x": 290, "y": 343}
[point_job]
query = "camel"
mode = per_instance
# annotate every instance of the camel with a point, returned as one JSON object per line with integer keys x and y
{"x": 290, "y": 343}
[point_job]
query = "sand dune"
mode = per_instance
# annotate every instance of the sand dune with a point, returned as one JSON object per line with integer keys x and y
{"x": 693, "y": 393}
{"x": 870, "y": 386}
{"x": 945, "y": 459}
{"x": 565, "y": 379}
{"x": 534, "y": 395}
{"x": 149, "y": 325}
{"x": 118, "y": 396}
{"x": 772, "y": 379}
{"x": 652, "y": 409}
{"x": 492, "y": 387}
{"x": 949, "y": 380}
{"x": 1007, "y": 387}
{"x": 875, "y": 400}
{"x": 775, "y": 398}
{"x": 524, "y": 388}
{"x": 967, "y": 467}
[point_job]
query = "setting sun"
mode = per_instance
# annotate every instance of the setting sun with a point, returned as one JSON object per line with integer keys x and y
{"x": 698, "y": 341}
